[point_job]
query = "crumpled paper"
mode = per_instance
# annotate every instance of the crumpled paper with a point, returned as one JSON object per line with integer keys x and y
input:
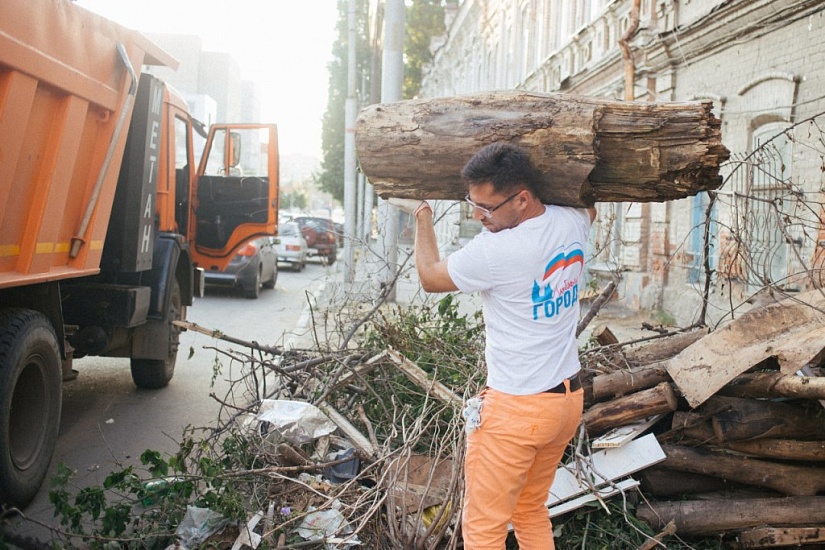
{"x": 324, "y": 524}
{"x": 298, "y": 422}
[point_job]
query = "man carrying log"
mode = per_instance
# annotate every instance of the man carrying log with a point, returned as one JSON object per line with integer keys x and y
{"x": 526, "y": 265}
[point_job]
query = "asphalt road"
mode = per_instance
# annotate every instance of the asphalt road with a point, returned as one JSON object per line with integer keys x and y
{"x": 107, "y": 422}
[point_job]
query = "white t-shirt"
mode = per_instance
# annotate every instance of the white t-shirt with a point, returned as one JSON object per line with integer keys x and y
{"x": 528, "y": 278}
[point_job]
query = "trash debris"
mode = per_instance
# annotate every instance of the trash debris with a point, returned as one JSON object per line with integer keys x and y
{"x": 296, "y": 421}
{"x": 343, "y": 471}
{"x": 247, "y": 536}
{"x": 198, "y": 525}
{"x": 325, "y": 525}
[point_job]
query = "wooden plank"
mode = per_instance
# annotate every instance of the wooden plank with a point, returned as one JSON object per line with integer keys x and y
{"x": 792, "y": 331}
{"x": 358, "y": 370}
{"x": 604, "y": 467}
{"x": 351, "y": 432}
{"x": 417, "y": 375}
{"x": 624, "y": 434}
{"x": 604, "y": 492}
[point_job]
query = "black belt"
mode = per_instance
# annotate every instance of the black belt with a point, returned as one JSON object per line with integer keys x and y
{"x": 575, "y": 384}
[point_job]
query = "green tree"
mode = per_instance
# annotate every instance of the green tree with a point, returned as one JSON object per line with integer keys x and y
{"x": 423, "y": 20}
{"x": 330, "y": 178}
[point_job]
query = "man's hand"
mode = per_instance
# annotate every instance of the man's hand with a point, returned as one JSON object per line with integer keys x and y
{"x": 411, "y": 206}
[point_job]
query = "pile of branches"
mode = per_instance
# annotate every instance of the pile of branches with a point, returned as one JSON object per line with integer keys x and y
{"x": 391, "y": 471}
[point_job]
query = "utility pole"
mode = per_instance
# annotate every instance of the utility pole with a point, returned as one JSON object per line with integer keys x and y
{"x": 350, "y": 115}
{"x": 392, "y": 79}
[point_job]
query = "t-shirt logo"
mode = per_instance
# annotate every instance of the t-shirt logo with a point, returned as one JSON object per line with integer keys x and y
{"x": 559, "y": 287}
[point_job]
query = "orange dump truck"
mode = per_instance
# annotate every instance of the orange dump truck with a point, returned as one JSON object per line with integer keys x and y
{"x": 107, "y": 223}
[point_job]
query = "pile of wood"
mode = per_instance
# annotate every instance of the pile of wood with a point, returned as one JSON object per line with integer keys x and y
{"x": 739, "y": 415}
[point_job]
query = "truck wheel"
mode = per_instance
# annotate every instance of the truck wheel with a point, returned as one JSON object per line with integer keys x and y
{"x": 30, "y": 401}
{"x": 152, "y": 374}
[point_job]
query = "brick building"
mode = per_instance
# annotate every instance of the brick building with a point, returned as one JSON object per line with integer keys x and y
{"x": 761, "y": 62}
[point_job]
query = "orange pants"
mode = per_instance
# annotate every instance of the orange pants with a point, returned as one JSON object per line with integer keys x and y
{"x": 510, "y": 464}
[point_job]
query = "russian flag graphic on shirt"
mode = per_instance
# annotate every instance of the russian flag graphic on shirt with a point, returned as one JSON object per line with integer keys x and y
{"x": 559, "y": 286}
{"x": 563, "y": 261}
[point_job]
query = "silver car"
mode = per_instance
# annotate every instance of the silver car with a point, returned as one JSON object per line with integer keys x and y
{"x": 255, "y": 265}
{"x": 292, "y": 246}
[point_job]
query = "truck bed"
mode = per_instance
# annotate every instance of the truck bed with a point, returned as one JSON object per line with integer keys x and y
{"x": 65, "y": 104}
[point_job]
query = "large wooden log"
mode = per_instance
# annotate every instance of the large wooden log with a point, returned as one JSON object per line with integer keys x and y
{"x": 789, "y": 480}
{"x": 780, "y": 449}
{"x": 740, "y": 419}
{"x": 630, "y": 408}
{"x": 775, "y": 384}
{"x": 663, "y": 348}
{"x": 631, "y": 380}
{"x": 663, "y": 482}
{"x": 712, "y": 517}
{"x": 693, "y": 426}
{"x": 587, "y": 149}
{"x": 773, "y": 537}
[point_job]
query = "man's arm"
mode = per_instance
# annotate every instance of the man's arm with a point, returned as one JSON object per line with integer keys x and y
{"x": 432, "y": 271}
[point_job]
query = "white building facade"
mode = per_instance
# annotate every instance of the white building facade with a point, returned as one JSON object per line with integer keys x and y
{"x": 761, "y": 62}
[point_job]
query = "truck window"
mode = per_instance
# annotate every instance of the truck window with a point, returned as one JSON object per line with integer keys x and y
{"x": 234, "y": 189}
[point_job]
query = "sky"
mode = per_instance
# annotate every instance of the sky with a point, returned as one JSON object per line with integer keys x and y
{"x": 283, "y": 45}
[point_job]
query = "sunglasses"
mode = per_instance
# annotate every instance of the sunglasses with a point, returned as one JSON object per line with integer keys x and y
{"x": 488, "y": 212}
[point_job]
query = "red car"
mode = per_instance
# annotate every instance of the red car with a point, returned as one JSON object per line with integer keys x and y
{"x": 320, "y": 236}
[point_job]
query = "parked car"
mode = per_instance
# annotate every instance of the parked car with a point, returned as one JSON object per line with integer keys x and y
{"x": 255, "y": 265}
{"x": 292, "y": 246}
{"x": 320, "y": 236}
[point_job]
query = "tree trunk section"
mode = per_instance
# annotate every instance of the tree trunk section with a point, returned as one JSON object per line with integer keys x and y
{"x": 775, "y": 384}
{"x": 772, "y": 537}
{"x": 663, "y": 348}
{"x": 788, "y": 480}
{"x": 712, "y": 517}
{"x": 739, "y": 419}
{"x": 664, "y": 482}
{"x": 627, "y": 381}
{"x": 587, "y": 149}
{"x": 622, "y": 411}
{"x": 780, "y": 449}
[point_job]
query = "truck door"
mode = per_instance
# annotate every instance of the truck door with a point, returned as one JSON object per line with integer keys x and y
{"x": 236, "y": 191}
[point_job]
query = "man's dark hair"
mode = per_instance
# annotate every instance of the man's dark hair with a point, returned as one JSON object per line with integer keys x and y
{"x": 504, "y": 165}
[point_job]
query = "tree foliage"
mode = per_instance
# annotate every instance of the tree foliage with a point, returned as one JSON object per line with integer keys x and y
{"x": 423, "y": 20}
{"x": 331, "y": 175}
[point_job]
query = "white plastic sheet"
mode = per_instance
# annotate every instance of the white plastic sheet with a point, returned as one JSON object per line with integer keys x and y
{"x": 298, "y": 422}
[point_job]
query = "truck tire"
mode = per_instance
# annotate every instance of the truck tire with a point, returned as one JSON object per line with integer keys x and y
{"x": 30, "y": 402}
{"x": 152, "y": 374}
